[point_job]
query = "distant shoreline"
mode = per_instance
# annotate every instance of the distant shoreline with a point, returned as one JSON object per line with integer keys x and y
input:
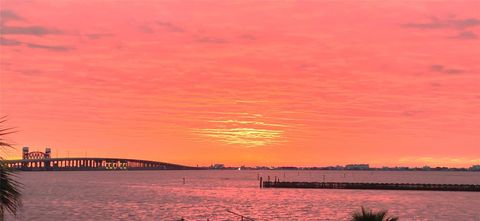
{"x": 444, "y": 169}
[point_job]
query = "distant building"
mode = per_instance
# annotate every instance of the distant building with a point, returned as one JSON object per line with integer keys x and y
{"x": 357, "y": 167}
{"x": 475, "y": 168}
{"x": 218, "y": 166}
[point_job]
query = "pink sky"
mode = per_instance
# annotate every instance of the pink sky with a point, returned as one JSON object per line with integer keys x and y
{"x": 304, "y": 83}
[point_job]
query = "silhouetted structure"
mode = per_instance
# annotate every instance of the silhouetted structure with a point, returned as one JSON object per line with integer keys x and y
{"x": 373, "y": 186}
{"x": 357, "y": 167}
{"x": 42, "y": 161}
{"x": 475, "y": 168}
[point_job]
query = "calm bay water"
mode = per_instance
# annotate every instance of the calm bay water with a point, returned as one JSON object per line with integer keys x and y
{"x": 161, "y": 195}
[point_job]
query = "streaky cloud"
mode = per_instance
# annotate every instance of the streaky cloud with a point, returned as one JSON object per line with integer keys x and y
{"x": 13, "y": 42}
{"x": 436, "y": 23}
{"x": 466, "y": 35}
{"x": 211, "y": 40}
{"x": 10, "y": 42}
{"x": 49, "y": 47}
{"x": 247, "y": 137}
{"x": 441, "y": 69}
{"x": 170, "y": 26}
{"x": 6, "y": 15}
{"x": 29, "y": 30}
{"x": 96, "y": 36}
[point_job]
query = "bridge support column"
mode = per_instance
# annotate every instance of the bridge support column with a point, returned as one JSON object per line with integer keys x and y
{"x": 47, "y": 164}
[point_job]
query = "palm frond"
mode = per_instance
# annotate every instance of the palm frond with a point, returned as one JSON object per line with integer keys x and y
{"x": 9, "y": 191}
{"x": 369, "y": 215}
{"x": 10, "y": 188}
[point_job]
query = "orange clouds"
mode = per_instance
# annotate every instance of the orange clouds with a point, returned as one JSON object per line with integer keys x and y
{"x": 298, "y": 83}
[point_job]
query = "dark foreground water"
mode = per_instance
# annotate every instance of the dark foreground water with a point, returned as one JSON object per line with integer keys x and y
{"x": 161, "y": 195}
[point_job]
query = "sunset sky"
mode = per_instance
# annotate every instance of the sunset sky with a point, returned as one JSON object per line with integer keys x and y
{"x": 301, "y": 83}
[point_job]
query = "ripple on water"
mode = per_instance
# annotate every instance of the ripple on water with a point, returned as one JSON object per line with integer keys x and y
{"x": 160, "y": 195}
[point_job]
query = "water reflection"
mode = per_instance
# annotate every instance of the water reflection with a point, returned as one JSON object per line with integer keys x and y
{"x": 161, "y": 195}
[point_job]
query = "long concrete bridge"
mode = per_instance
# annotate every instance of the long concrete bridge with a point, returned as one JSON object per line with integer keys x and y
{"x": 42, "y": 161}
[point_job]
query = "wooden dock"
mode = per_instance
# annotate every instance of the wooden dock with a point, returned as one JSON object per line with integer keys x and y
{"x": 372, "y": 186}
